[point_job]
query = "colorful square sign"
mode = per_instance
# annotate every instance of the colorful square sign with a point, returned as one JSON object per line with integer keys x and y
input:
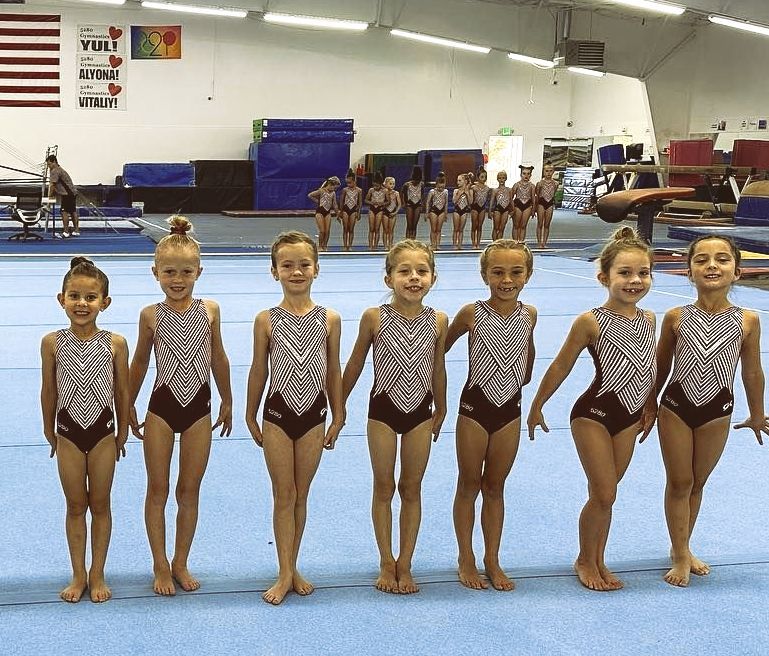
{"x": 156, "y": 41}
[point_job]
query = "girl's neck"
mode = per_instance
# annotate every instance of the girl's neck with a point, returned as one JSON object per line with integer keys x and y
{"x": 84, "y": 333}
{"x": 408, "y": 309}
{"x": 628, "y": 310}
{"x": 299, "y": 304}
{"x": 179, "y": 305}
{"x": 712, "y": 302}
{"x": 503, "y": 308}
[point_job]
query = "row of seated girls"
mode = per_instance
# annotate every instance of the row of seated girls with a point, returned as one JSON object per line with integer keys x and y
{"x": 472, "y": 197}
{"x": 89, "y": 394}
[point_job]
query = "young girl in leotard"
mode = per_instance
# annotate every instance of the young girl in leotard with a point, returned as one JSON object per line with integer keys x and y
{"x": 544, "y": 201}
{"x": 619, "y": 404}
{"x": 408, "y": 398}
{"x": 478, "y": 208}
{"x": 185, "y": 334}
{"x": 376, "y": 199}
{"x": 325, "y": 197}
{"x": 411, "y": 197}
{"x": 437, "y": 206}
{"x": 501, "y": 357}
{"x": 390, "y": 214}
{"x": 523, "y": 203}
{"x": 499, "y": 206}
{"x": 85, "y": 376}
{"x": 349, "y": 209}
{"x": 297, "y": 342}
{"x": 707, "y": 338}
{"x": 463, "y": 200}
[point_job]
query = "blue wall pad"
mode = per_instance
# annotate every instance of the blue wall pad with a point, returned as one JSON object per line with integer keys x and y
{"x": 284, "y": 194}
{"x": 299, "y": 160}
{"x": 433, "y": 161}
{"x": 159, "y": 175}
{"x": 401, "y": 173}
{"x": 752, "y": 211}
{"x": 303, "y": 124}
{"x": 305, "y": 136}
{"x": 611, "y": 154}
{"x": 750, "y": 239}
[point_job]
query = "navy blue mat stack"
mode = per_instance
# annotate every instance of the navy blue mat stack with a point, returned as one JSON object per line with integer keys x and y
{"x": 292, "y": 157}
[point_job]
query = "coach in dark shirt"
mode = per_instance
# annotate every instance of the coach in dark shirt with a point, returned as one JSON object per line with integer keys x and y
{"x": 60, "y": 185}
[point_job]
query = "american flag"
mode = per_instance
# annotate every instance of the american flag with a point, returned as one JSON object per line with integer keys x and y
{"x": 29, "y": 60}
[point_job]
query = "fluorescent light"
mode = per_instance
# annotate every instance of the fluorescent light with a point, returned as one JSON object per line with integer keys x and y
{"x": 426, "y": 38}
{"x": 312, "y": 21}
{"x": 106, "y": 2}
{"x": 195, "y": 9}
{"x": 585, "y": 71}
{"x": 653, "y": 5}
{"x": 740, "y": 25}
{"x": 544, "y": 63}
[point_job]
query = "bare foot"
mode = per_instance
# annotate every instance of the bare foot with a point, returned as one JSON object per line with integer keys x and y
{"x": 186, "y": 580}
{"x": 697, "y": 566}
{"x": 301, "y": 585}
{"x": 278, "y": 591}
{"x": 164, "y": 583}
{"x": 679, "y": 574}
{"x": 406, "y": 582}
{"x": 499, "y": 580}
{"x": 589, "y": 576}
{"x": 387, "y": 581}
{"x": 98, "y": 589}
{"x": 469, "y": 575}
{"x": 74, "y": 590}
{"x": 610, "y": 579}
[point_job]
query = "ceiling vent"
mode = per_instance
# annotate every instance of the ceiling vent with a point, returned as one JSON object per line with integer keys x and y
{"x": 586, "y": 54}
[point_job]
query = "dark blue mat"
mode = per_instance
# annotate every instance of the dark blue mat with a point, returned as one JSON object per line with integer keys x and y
{"x": 751, "y": 239}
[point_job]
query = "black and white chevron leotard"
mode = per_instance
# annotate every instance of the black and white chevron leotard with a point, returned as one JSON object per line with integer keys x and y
{"x": 438, "y": 202}
{"x": 706, "y": 355}
{"x": 85, "y": 388}
{"x": 498, "y": 354}
{"x": 480, "y": 196}
{"x": 523, "y": 190}
{"x": 414, "y": 194}
{"x": 502, "y": 200}
{"x": 625, "y": 369}
{"x": 350, "y": 199}
{"x": 296, "y": 400}
{"x": 545, "y": 192}
{"x": 182, "y": 392}
{"x": 404, "y": 354}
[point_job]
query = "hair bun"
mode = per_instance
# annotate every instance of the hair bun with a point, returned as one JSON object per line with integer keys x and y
{"x": 623, "y": 233}
{"x": 79, "y": 259}
{"x": 180, "y": 225}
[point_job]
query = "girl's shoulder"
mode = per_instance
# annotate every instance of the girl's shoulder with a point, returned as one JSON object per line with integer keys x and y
{"x": 532, "y": 312}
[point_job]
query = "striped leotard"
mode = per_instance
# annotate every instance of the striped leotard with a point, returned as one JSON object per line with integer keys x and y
{"x": 625, "y": 369}
{"x": 480, "y": 196}
{"x": 378, "y": 200}
{"x": 706, "y": 354}
{"x": 502, "y": 200}
{"x": 350, "y": 199}
{"x": 498, "y": 355}
{"x": 438, "y": 201}
{"x": 414, "y": 194}
{"x": 404, "y": 352}
{"x": 182, "y": 392}
{"x": 296, "y": 400}
{"x": 462, "y": 206}
{"x": 325, "y": 202}
{"x": 391, "y": 205}
{"x": 85, "y": 388}
{"x": 545, "y": 192}
{"x": 524, "y": 194}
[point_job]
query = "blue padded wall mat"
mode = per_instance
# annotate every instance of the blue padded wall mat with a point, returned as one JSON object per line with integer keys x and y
{"x": 282, "y": 161}
{"x": 159, "y": 175}
{"x": 306, "y": 136}
{"x": 305, "y": 123}
{"x": 284, "y": 194}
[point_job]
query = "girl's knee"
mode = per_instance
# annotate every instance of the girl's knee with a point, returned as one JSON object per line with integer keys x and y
{"x": 603, "y": 497}
{"x": 493, "y": 490}
{"x": 410, "y": 491}
{"x": 680, "y": 486}
{"x": 284, "y": 496}
{"x": 468, "y": 487}
{"x": 99, "y": 505}
{"x": 384, "y": 490}
{"x": 77, "y": 507}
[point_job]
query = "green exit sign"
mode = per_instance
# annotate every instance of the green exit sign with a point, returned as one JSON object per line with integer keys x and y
{"x": 505, "y": 132}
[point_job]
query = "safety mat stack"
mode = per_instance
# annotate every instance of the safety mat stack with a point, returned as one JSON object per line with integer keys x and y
{"x": 292, "y": 157}
{"x": 577, "y": 187}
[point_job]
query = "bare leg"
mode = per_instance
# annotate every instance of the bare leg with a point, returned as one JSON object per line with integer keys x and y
{"x": 546, "y": 220}
{"x": 471, "y": 442}
{"x": 382, "y": 446}
{"x": 517, "y": 228}
{"x": 71, "y": 463}
{"x": 459, "y": 230}
{"x": 319, "y": 226}
{"x": 503, "y": 447}
{"x": 65, "y": 222}
{"x": 101, "y": 469}
{"x": 415, "y": 451}
{"x": 435, "y": 230}
{"x": 194, "y": 448}
{"x": 158, "y": 446}
{"x": 524, "y": 222}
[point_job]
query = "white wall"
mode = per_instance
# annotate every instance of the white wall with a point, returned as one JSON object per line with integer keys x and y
{"x": 403, "y": 96}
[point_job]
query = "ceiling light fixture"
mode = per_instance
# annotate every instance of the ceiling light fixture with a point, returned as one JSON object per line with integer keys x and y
{"x": 437, "y": 40}
{"x": 586, "y": 71}
{"x": 313, "y": 21}
{"x": 653, "y": 5}
{"x": 740, "y": 25}
{"x": 195, "y": 9}
{"x": 542, "y": 63}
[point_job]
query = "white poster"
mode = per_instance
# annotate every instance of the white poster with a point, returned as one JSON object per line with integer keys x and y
{"x": 102, "y": 67}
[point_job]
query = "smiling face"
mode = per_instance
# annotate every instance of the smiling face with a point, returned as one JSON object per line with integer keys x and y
{"x": 713, "y": 266}
{"x": 411, "y": 275}
{"x": 506, "y": 273}
{"x": 630, "y": 276}
{"x": 82, "y": 299}
{"x": 177, "y": 269}
{"x": 295, "y": 268}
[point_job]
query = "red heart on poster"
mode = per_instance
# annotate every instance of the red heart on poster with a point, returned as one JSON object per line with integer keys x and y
{"x": 115, "y": 61}
{"x": 115, "y": 33}
{"x": 114, "y": 89}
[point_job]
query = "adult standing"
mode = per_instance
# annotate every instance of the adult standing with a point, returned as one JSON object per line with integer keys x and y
{"x": 60, "y": 185}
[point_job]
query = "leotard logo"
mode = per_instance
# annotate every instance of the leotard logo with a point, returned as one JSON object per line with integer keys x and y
{"x": 598, "y": 412}
{"x": 466, "y": 406}
{"x": 275, "y": 413}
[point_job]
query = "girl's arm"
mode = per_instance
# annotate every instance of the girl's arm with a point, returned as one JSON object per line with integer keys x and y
{"x": 649, "y": 414}
{"x": 334, "y": 205}
{"x": 367, "y": 200}
{"x": 493, "y": 199}
{"x": 220, "y": 367}
{"x": 257, "y": 374}
{"x": 439, "y": 375}
{"x": 369, "y": 324}
{"x": 121, "y": 394}
{"x": 455, "y": 194}
{"x": 360, "y": 199}
{"x": 470, "y": 195}
{"x": 398, "y": 203}
{"x": 139, "y": 364}
{"x": 666, "y": 346}
{"x": 584, "y": 331}
{"x": 531, "y": 355}
{"x": 334, "y": 380}
{"x": 314, "y": 196}
{"x": 48, "y": 393}
{"x": 753, "y": 377}
{"x": 462, "y": 323}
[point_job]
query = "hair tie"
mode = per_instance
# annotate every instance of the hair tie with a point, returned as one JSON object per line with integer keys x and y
{"x": 178, "y": 230}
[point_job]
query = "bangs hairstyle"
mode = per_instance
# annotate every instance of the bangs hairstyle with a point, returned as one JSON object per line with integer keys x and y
{"x": 729, "y": 241}
{"x": 409, "y": 245}
{"x": 82, "y": 266}
{"x": 624, "y": 239}
{"x": 178, "y": 237}
{"x": 289, "y": 238}
{"x": 507, "y": 245}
